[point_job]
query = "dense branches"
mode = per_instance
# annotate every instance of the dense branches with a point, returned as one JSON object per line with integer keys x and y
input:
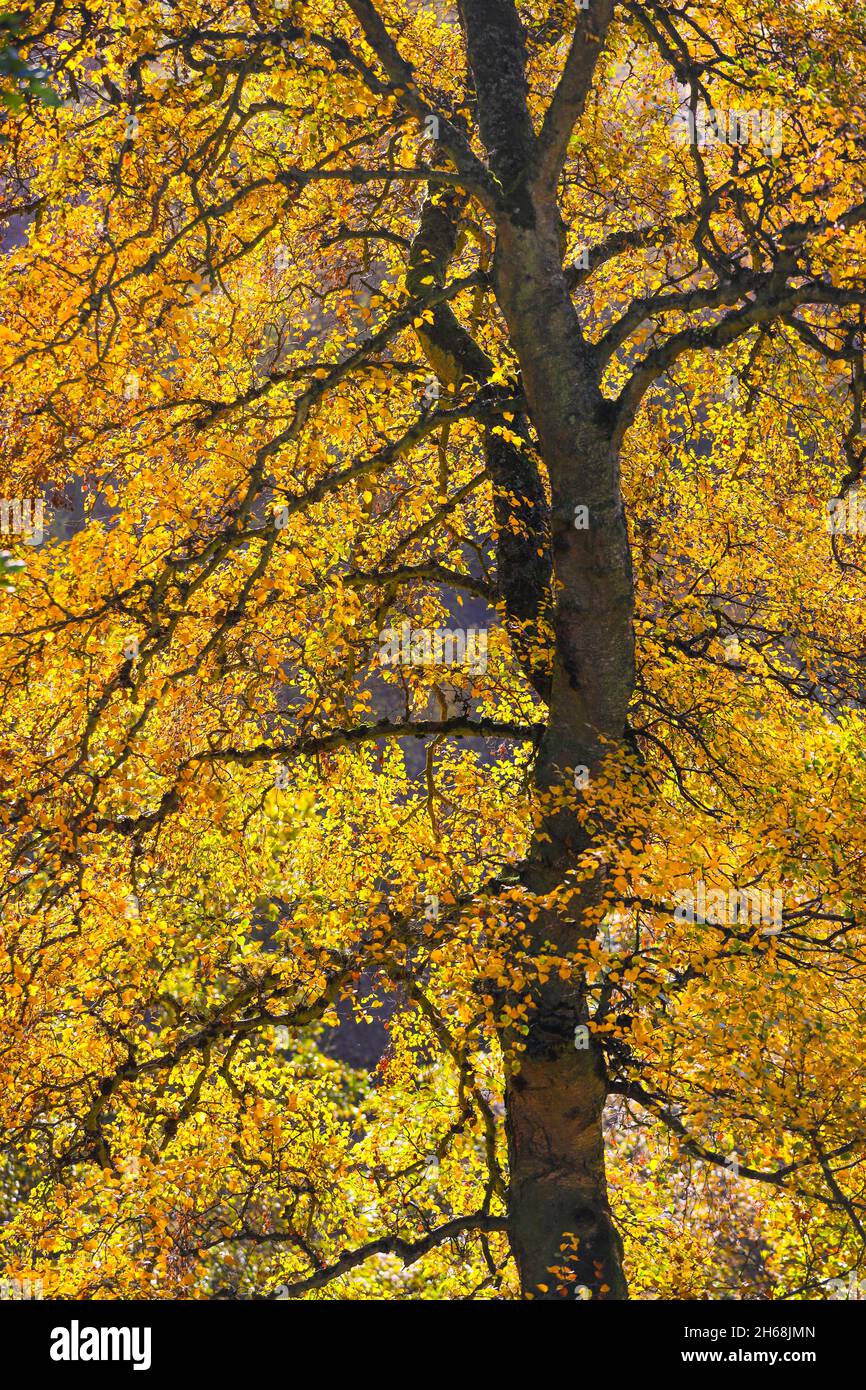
{"x": 435, "y": 437}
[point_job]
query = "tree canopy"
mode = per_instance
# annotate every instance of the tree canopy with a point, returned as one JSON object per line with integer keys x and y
{"x": 432, "y": 438}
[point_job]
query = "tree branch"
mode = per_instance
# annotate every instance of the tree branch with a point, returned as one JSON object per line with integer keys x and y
{"x": 407, "y": 1250}
{"x": 569, "y": 98}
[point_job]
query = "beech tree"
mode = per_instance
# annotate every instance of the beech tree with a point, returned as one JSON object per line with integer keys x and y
{"x": 431, "y": 447}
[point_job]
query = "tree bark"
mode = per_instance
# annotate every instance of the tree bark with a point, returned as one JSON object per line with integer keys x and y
{"x": 558, "y": 1208}
{"x": 555, "y": 1095}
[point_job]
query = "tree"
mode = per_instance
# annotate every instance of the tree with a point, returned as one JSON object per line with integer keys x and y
{"x": 452, "y": 621}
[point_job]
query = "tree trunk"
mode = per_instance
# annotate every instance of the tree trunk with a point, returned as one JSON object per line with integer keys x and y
{"x": 556, "y": 1095}
{"x": 558, "y": 1209}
